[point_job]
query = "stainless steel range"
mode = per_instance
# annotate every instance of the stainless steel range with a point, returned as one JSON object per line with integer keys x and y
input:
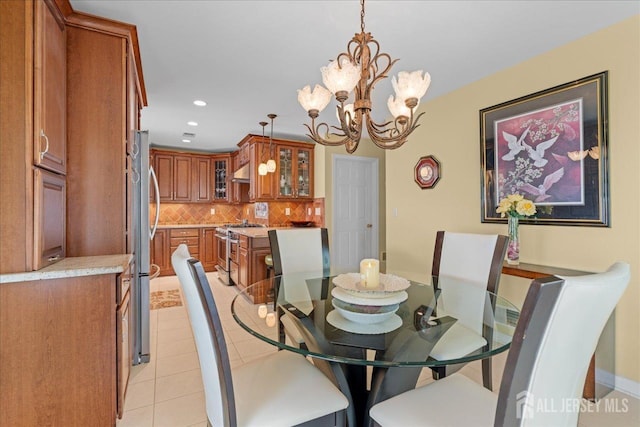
{"x": 227, "y": 241}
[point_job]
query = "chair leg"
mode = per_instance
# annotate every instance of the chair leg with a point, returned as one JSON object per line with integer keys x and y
{"x": 487, "y": 379}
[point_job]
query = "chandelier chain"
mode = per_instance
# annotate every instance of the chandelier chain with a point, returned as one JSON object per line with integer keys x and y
{"x": 362, "y": 15}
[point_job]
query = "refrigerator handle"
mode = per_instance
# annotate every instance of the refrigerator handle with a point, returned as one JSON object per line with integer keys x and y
{"x": 152, "y": 175}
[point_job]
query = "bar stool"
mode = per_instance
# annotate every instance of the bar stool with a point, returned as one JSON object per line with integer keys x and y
{"x": 268, "y": 260}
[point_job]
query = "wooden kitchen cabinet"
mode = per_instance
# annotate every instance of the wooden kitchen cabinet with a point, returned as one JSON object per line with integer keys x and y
{"x": 251, "y": 266}
{"x": 293, "y": 177}
{"x": 294, "y": 172}
{"x": 239, "y": 191}
{"x": 33, "y": 91}
{"x": 160, "y": 252}
{"x": 221, "y": 169}
{"x": 174, "y": 172}
{"x": 50, "y": 88}
{"x": 49, "y": 218}
{"x": 262, "y": 186}
{"x": 201, "y": 167}
{"x": 102, "y": 76}
{"x": 208, "y": 249}
{"x": 58, "y": 352}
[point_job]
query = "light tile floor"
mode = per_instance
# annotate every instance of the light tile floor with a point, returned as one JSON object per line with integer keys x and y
{"x": 168, "y": 391}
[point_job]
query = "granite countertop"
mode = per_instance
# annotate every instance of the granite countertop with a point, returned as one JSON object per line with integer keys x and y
{"x": 73, "y": 267}
{"x": 257, "y": 231}
{"x": 161, "y": 226}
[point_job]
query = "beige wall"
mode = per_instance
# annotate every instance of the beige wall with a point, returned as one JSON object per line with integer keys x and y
{"x": 450, "y": 129}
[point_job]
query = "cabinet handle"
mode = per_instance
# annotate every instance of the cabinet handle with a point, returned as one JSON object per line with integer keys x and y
{"x": 46, "y": 140}
{"x": 53, "y": 258}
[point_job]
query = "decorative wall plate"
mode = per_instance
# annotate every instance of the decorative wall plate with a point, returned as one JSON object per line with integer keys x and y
{"x": 427, "y": 172}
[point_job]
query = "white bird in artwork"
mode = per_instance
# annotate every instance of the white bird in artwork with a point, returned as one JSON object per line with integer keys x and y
{"x": 515, "y": 144}
{"x": 537, "y": 154}
{"x": 540, "y": 192}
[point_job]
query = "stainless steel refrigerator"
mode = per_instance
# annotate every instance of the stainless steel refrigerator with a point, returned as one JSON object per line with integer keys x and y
{"x": 144, "y": 180}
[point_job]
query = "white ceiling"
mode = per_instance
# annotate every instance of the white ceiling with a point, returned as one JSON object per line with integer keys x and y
{"x": 248, "y": 58}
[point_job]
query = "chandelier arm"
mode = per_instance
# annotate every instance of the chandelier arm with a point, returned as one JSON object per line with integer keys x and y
{"x": 314, "y": 134}
{"x": 377, "y": 131}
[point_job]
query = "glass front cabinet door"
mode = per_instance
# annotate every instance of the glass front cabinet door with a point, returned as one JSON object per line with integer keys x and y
{"x": 295, "y": 172}
{"x": 220, "y": 172}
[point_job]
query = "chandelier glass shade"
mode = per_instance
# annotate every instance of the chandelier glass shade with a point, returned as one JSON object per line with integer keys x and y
{"x": 357, "y": 71}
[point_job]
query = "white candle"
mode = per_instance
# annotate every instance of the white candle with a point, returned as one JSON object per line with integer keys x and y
{"x": 370, "y": 271}
{"x": 271, "y": 320}
{"x": 262, "y": 311}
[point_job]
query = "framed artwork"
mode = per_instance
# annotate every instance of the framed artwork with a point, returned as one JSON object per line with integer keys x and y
{"x": 550, "y": 147}
{"x": 427, "y": 172}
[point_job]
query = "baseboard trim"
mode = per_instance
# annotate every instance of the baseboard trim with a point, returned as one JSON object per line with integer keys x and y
{"x": 622, "y": 384}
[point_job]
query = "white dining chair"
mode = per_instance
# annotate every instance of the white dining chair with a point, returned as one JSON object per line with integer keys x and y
{"x": 281, "y": 389}
{"x": 473, "y": 259}
{"x": 557, "y": 332}
{"x": 300, "y": 252}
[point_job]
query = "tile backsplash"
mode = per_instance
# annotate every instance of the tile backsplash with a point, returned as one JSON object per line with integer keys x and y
{"x": 192, "y": 213}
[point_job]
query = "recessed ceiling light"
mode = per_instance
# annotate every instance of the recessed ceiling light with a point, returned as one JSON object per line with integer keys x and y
{"x": 192, "y": 123}
{"x": 186, "y": 140}
{"x": 199, "y": 103}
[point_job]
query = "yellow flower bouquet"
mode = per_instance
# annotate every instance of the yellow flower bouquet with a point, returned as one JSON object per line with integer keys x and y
{"x": 514, "y": 206}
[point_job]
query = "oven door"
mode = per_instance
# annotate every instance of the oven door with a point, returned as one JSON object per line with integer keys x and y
{"x": 221, "y": 243}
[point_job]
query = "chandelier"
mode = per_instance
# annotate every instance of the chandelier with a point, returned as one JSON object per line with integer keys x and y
{"x": 358, "y": 70}
{"x": 270, "y": 165}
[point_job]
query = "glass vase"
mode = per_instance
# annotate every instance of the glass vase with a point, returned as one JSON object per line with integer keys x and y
{"x": 513, "y": 249}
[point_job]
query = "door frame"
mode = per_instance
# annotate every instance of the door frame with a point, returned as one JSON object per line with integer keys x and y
{"x": 373, "y": 163}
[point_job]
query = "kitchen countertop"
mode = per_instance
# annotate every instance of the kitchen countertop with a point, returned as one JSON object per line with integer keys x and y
{"x": 73, "y": 267}
{"x": 258, "y": 231}
{"x": 161, "y": 226}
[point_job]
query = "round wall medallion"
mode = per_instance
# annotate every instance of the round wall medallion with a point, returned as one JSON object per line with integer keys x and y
{"x": 427, "y": 172}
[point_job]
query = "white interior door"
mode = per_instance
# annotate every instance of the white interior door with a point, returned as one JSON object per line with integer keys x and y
{"x": 355, "y": 212}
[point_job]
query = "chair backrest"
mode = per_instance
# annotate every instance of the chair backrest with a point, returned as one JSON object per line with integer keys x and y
{"x": 209, "y": 338}
{"x": 558, "y": 330}
{"x": 472, "y": 257}
{"x": 300, "y": 250}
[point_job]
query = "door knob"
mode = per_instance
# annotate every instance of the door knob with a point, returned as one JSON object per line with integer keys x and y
{"x": 369, "y": 225}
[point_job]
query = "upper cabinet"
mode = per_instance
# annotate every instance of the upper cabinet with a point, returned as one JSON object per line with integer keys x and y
{"x": 174, "y": 176}
{"x": 294, "y": 172}
{"x": 50, "y": 88}
{"x": 201, "y": 167}
{"x": 104, "y": 94}
{"x": 220, "y": 167}
{"x": 293, "y": 177}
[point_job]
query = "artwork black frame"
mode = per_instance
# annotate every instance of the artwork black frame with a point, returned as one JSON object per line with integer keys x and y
{"x": 552, "y": 147}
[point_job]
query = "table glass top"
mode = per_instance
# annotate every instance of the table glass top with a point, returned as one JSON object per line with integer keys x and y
{"x": 422, "y": 325}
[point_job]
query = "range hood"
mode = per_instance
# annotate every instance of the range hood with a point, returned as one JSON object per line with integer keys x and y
{"x": 241, "y": 175}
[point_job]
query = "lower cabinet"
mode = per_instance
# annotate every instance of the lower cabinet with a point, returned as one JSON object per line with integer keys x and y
{"x": 208, "y": 249}
{"x": 251, "y": 254}
{"x": 58, "y": 352}
{"x": 160, "y": 254}
{"x": 201, "y": 242}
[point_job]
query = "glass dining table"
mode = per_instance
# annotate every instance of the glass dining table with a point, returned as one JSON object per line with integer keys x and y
{"x": 398, "y": 328}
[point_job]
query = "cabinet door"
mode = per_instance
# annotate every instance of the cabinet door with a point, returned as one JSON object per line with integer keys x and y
{"x": 160, "y": 252}
{"x": 49, "y": 218}
{"x": 208, "y": 247}
{"x": 243, "y": 268}
{"x": 182, "y": 178}
{"x": 164, "y": 173}
{"x": 264, "y": 187}
{"x": 220, "y": 171}
{"x": 50, "y": 89}
{"x": 123, "y": 351}
{"x": 285, "y": 176}
{"x": 201, "y": 179}
{"x": 304, "y": 173}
